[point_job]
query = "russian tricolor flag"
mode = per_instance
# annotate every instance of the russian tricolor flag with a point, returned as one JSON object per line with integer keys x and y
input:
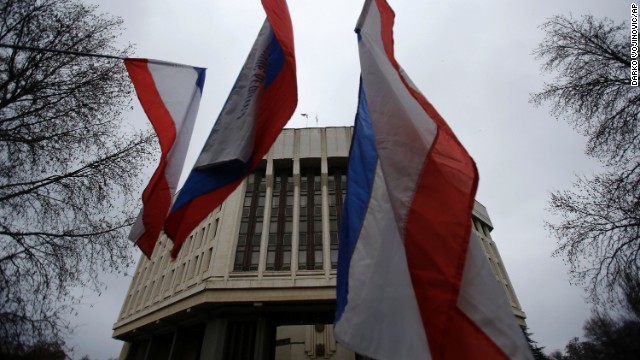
{"x": 170, "y": 96}
{"x": 413, "y": 281}
{"x": 261, "y": 102}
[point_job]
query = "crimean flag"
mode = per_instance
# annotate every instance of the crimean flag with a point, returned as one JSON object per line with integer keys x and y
{"x": 170, "y": 96}
{"x": 261, "y": 102}
{"x": 413, "y": 281}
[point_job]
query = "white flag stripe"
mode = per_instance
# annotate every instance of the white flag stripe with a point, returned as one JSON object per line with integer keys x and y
{"x": 173, "y": 84}
{"x": 381, "y": 299}
{"x": 484, "y": 302}
{"x": 411, "y": 133}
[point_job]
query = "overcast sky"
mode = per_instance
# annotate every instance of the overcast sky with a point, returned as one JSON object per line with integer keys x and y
{"x": 471, "y": 59}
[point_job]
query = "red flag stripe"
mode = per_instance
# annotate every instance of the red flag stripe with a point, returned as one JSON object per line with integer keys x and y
{"x": 435, "y": 239}
{"x": 156, "y": 197}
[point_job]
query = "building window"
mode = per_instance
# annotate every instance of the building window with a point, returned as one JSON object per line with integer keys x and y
{"x": 310, "y": 244}
{"x": 337, "y": 190}
{"x": 248, "y": 250}
{"x": 280, "y": 223}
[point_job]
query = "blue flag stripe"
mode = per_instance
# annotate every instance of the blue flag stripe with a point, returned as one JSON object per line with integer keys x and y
{"x": 363, "y": 158}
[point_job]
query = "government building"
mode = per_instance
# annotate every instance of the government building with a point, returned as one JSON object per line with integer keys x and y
{"x": 256, "y": 279}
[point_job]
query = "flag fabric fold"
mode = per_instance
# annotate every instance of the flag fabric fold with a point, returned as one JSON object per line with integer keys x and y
{"x": 261, "y": 102}
{"x": 413, "y": 282}
{"x": 170, "y": 96}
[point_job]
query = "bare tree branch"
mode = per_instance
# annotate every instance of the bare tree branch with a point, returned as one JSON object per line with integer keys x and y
{"x": 598, "y": 222}
{"x": 591, "y": 89}
{"x": 68, "y": 166}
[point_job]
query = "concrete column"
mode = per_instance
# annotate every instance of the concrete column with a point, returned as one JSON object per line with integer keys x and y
{"x": 124, "y": 353}
{"x": 214, "y": 339}
{"x": 174, "y": 354}
{"x": 265, "y": 340}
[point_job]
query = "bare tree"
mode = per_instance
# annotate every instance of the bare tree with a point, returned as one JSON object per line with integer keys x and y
{"x": 598, "y": 230}
{"x": 606, "y": 337}
{"x": 69, "y": 165}
{"x": 591, "y": 60}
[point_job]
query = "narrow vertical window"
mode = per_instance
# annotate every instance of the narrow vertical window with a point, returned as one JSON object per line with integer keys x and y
{"x": 310, "y": 247}
{"x": 337, "y": 190}
{"x": 302, "y": 223}
{"x": 281, "y": 223}
{"x": 248, "y": 250}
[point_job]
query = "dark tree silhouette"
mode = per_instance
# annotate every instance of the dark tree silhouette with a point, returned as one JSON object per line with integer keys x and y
{"x": 598, "y": 226}
{"x": 69, "y": 165}
{"x": 606, "y": 337}
{"x": 536, "y": 350}
{"x": 38, "y": 351}
{"x": 591, "y": 60}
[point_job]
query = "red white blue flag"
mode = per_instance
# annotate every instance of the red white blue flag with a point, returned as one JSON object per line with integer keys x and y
{"x": 170, "y": 96}
{"x": 413, "y": 281}
{"x": 261, "y": 102}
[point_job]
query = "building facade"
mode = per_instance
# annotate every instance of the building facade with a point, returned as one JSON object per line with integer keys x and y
{"x": 256, "y": 279}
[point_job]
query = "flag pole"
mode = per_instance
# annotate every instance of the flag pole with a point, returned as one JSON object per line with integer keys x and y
{"x": 66, "y": 52}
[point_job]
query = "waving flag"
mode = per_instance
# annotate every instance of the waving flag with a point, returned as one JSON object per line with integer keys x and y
{"x": 170, "y": 96}
{"x": 260, "y": 104}
{"x": 413, "y": 282}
